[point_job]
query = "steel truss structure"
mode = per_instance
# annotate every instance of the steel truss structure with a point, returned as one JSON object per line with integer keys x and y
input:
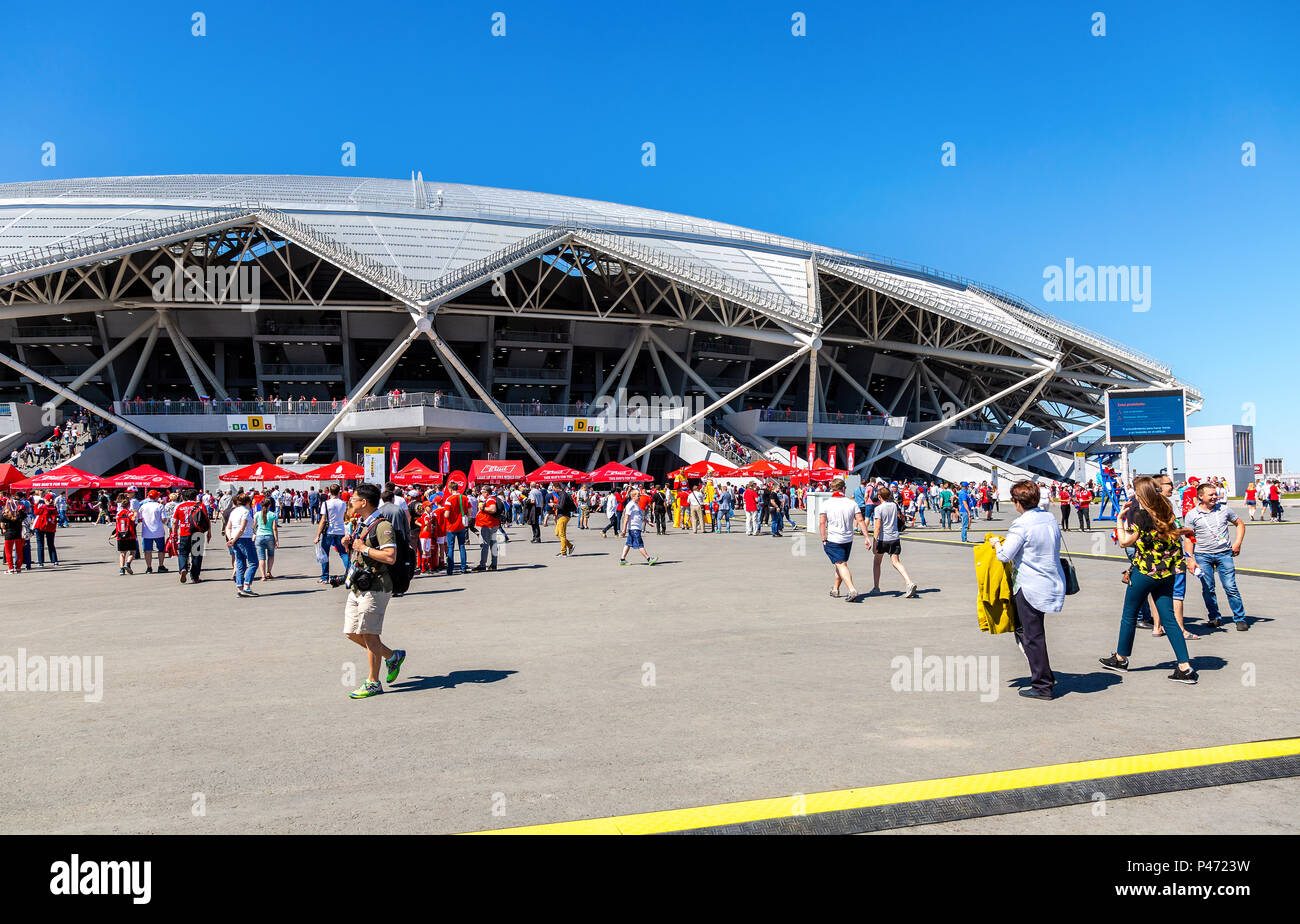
{"x": 871, "y": 335}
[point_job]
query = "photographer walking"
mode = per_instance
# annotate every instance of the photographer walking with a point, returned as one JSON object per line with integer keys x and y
{"x": 370, "y": 587}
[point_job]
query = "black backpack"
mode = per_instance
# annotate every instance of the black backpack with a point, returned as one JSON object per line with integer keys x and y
{"x": 199, "y": 522}
{"x": 403, "y": 569}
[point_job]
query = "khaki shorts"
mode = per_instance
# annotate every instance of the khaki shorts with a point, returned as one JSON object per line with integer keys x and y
{"x": 364, "y": 613}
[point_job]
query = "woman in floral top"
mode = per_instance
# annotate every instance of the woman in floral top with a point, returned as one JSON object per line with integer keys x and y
{"x": 1149, "y": 526}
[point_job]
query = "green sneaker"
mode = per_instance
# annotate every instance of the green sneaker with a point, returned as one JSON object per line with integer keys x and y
{"x": 367, "y": 689}
{"x": 622, "y": 561}
{"x": 395, "y": 663}
{"x": 653, "y": 561}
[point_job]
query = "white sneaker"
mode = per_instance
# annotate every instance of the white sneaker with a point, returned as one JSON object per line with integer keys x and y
{"x": 911, "y": 590}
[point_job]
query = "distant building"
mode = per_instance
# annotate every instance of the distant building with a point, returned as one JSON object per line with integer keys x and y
{"x": 1226, "y": 451}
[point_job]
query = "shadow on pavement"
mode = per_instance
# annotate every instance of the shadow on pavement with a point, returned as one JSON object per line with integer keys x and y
{"x": 449, "y": 681}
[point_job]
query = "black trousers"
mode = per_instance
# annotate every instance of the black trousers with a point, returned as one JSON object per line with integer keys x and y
{"x": 1065, "y": 516}
{"x": 1032, "y": 639}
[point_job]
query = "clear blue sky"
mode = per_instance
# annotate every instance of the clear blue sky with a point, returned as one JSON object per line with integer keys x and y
{"x": 1123, "y": 149}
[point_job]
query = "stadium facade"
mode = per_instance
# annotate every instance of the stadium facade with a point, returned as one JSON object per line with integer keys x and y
{"x": 176, "y": 307}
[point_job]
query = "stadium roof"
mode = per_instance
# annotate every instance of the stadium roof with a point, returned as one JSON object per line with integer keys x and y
{"x": 421, "y": 240}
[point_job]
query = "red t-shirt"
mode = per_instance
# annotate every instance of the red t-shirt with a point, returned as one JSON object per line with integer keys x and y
{"x": 488, "y": 513}
{"x": 455, "y": 508}
{"x": 751, "y": 500}
{"x": 181, "y": 517}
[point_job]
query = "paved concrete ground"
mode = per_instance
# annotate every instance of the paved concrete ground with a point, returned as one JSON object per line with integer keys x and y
{"x": 561, "y": 689}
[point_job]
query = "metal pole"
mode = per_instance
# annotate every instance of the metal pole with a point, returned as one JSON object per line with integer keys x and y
{"x": 739, "y": 390}
{"x": 451, "y": 357}
{"x": 1033, "y": 396}
{"x": 1052, "y": 445}
{"x": 120, "y": 423}
{"x": 1169, "y": 460}
{"x": 183, "y": 353}
{"x": 854, "y": 382}
{"x": 361, "y": 392}
{"x": 812, "y": 396}
{"x": 107, "y": 358}
{"x": 145, "y": 352}
{"x": 177, "y": 335}
{"x": 956, "y": 417}
{"x": 681, "y": 364}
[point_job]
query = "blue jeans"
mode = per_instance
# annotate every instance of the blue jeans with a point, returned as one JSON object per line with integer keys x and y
{"x": 1139, "y": 588}
{"x": 945, "y": 517}
{"x": 245, "y": 561}
{"x": 330, "y": 541}
{"x": 454, "y": 536}
{"x": 1224, "y": 564}
{"x": 775, "y": 520}
{"x": 44, "y": 538}
{"x": 488, "y": 542}
{"x": 965, "y": 524}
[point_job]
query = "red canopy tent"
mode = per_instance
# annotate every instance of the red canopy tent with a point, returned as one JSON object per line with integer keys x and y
{"x": 764, "y": 468}
{"x": 495, "y": 471}
{"x": 616, "y": 473}
{"x": 416, "y": 472}
{"x": 148, "y": 476}
{"x": 9, "y": 474}
{"x": 64, "y": 478}
{"x": 341, "y": 471}
{"x": 704, "y": 469}
{"x": 554, "y": 471}
{"x": 261, "y": 471}
{"x": 821, "y": 471}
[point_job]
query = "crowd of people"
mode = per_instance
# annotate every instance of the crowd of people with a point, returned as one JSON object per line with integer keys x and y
{"x": 74, "y": 434}
{"x": 1168, "y": 531}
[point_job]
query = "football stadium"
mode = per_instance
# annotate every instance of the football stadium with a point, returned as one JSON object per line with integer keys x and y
{"x": 232, "y": 319}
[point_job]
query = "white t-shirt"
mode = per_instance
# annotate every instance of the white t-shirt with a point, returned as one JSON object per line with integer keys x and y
{"x": 240, "y": 523}
{"x": 335, "y": 507}
{"x": 151, "y": 520}
{"x": 840, "y": 513}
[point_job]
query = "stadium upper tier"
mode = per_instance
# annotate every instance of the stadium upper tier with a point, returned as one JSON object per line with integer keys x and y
{"x": 423, "y": 242}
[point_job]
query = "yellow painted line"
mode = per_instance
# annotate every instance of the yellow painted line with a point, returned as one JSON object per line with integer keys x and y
{"x": 730, "y": 813}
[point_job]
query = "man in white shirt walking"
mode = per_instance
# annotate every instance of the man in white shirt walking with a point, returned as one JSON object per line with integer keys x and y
{"x": 152, "y": 533}
{"x": 836, "y": 518}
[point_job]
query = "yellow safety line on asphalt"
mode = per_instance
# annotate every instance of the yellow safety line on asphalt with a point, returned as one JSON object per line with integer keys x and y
{"x": 731, "y": 813}
{"x": 971, "y": 545}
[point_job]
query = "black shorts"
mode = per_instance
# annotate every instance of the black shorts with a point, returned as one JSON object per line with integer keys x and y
{"x": 126, "y": 545}
{"x": 890, "y": 547}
